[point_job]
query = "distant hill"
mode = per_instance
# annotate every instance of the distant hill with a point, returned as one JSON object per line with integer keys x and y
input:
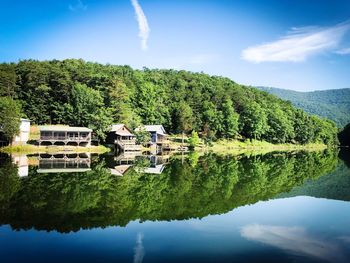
{"x": 332, "y": 104}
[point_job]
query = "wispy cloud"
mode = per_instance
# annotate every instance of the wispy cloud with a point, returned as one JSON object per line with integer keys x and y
{"x": 343, "y": 51}
{"x": 79, "y": 5}
{"x": 139, "y": 250}
{"x": 294, "y": 239}
{"x": 298, "y": 44}
{"x": 143, "y": 24}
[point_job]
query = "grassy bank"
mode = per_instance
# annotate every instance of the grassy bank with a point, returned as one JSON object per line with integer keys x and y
{"x": 229, "y": 146}
{"x": 32, "y": 149}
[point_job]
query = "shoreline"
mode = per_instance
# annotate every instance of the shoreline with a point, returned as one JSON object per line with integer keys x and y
{"x": 219, "y": 147}
{"x": 33, "y": 149}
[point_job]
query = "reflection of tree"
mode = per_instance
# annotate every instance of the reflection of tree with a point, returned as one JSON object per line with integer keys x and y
{"x": 200, "y": 186}
{"x": 9, "y": 182}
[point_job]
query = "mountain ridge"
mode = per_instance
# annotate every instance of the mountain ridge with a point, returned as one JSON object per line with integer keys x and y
{"x": 333, "y": 104}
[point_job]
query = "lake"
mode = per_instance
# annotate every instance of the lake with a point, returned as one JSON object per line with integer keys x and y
{"x": 274, "y": 207}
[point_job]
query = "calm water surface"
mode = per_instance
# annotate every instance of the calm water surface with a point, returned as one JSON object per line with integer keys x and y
{"x": 277, "y": 207}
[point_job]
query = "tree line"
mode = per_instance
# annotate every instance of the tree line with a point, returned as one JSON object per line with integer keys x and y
{"x": 79, "y": 93}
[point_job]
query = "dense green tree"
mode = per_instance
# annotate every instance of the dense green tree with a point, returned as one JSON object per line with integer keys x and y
{"x": 142, "y": 136}
{"x": 10, "y": 117}
{"x": 8, "y": 79}
{"x": 253, "y": 120}
{"x": 230, "y": 119}
{"x": 183, "y": 119}
{"x": 303, "y": 126}
{"x": 87, "y": 109}
{"x": 281, "y": 128}
{"x": 194, "y": 139}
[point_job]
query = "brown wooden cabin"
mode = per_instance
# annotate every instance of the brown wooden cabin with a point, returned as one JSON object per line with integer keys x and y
{"x": 122, "y": 137}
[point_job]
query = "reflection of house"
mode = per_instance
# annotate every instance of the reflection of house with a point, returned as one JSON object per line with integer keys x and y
{"x": 64, "y": 135}
{"x": 22, "y": 137}
{"x": 64, "y": 163}
{"x": 157, "y": 164}
{"x": 123, "y": 138}
{"x": 121, "y": 163}
{"x": 22, "y": 163}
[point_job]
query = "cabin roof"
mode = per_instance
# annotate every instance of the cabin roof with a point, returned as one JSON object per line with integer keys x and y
{"x": 121, "y": 129}
{"x": 63, "y": 128}
{"x": 159, "y": 129}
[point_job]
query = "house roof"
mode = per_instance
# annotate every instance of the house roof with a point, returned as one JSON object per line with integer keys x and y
{"x": 63, "y": 128}
{"x": 159, "y": 129}
{"x": 121, "y": 129}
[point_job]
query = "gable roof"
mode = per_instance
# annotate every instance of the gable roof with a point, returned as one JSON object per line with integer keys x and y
{"x": 159, "y": 129}
{"x": 121, "y": 129}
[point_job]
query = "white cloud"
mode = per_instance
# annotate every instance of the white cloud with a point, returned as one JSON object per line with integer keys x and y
{"x": 343, "y": 51}
{"x": 294, "y": 239}
{"x": 79, "y": 5}
{"x": 298, "y": 44}
{"x": 139, "y": 250}
{"x": 143, "y": 24}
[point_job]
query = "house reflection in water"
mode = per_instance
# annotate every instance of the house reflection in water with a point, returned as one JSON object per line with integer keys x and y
{"x": 22, "y": 162}
{"x": 64, "y": 163}
{"x": 123, "y": 162}
{"x": 157, "y": 164}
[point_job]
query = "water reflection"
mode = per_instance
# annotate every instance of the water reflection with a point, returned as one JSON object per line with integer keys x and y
{"x": 143, "y": 163}
{"x": 200, "y": 208}
{"x": 296, "y": 240}
{"x": 191, "y": 186}
{"x": 21, "y": 161}
{"x": 64, "y": 162}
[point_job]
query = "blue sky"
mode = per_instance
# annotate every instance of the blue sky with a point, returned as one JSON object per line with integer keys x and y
{"x": 299, "y": 45}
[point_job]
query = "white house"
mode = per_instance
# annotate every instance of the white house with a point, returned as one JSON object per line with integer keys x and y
{"x": 21, "y": 138}
{"x": 24, "y": 131}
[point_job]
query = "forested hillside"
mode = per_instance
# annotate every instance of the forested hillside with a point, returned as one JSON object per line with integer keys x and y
{"x": 81, "y": 93}
{"x": 331, "y": 104}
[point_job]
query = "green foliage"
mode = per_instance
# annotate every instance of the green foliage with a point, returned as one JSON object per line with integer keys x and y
{"x": 9, "y": 182}
{"x": 8, "y": 80}
{"x": 230, "y": 119}
{"x": 10, "y": 117}
{"x": 253, "y": 119}
{"x": 194, "y": 139}
{"x": 281, "y": 128}
{"x": 184, "y": 118}
{"x": 142, "y": 136}
{"x": 86, "y": 108}
{"x": 82, "y": 93}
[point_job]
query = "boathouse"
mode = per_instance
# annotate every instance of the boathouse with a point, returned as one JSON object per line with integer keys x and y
{"x": 64, "y": 135}
{"x": 122, "y": 137}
